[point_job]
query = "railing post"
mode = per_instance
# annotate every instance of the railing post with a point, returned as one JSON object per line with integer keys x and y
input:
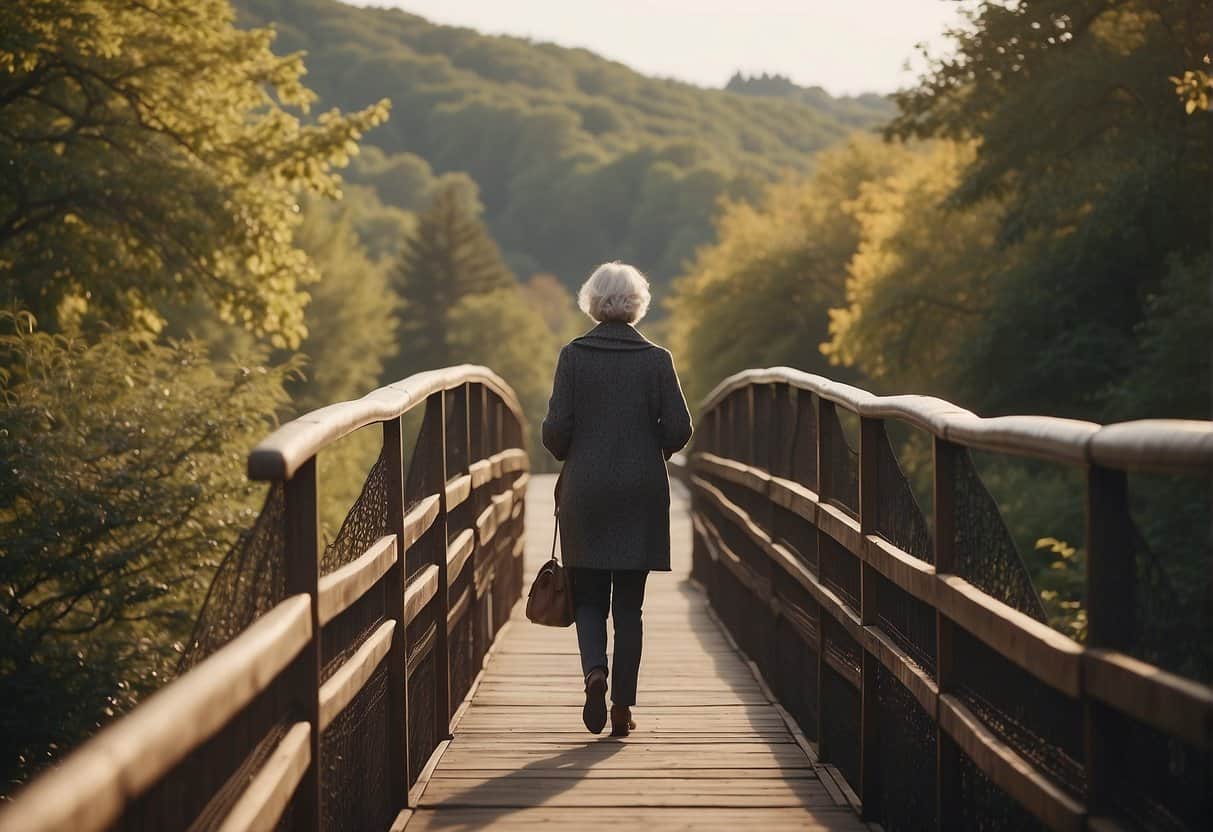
{"x": 871, "y": 433}
{"x": 303, "y": 576}
{"x": 399, "y": 773}
{"x": 434, "y": 476}
{"x": 823, "y": 409}
{"x": 476, "y": 435}
{"x": 1111, "y": 608}
{"x": 947, "y": 755}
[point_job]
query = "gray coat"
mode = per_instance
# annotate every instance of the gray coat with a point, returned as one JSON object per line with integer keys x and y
{"x": 617, "y": 413}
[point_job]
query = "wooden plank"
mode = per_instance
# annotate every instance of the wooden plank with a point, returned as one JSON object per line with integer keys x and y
{"x": 90, "y": 789}
{"x": 1169, "y": 703}
{"x": 419, "y": 591}
{"x": 459, "y": 550}
{"x": 419, "y": 519}
{"x": 345, "y": 585}
{"x": 910, "y": 574}
{"x": 1042, "y": 651}
{"x": 267, "y": 796}
{"x": 344, "y": 684}
{"x": 525, "y": 792}
{"x": 1007, "y": 769}
{"x": 675, "y": 819}
{"x": 481, "y": 472}
{"x": 458, "y": 490}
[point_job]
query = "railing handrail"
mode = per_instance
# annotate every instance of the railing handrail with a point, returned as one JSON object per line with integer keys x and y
{"x": 279, "y": 455}
{"x": 804, "y": 539}
{"x": 1161, "y": 445}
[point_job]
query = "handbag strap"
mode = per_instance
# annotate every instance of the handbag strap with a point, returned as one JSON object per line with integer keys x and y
{"x": 556, "y": 514}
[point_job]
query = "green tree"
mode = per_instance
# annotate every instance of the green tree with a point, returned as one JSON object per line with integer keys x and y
{"x": 503, "y": 330}
{"x": 122, "y": 486}
{"x": 761, "y": 294}
{"x": 450, "y": 257}
{"x": 1079, "y": 136}
{"x": 352, "y": 316}
{"x": 918, "y": 284}
{"x": 153, "y": 145}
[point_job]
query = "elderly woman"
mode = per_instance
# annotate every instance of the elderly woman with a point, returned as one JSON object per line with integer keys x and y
{"x": 617, "y": 413}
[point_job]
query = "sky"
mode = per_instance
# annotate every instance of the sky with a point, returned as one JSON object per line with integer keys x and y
{"x": 845, "y": 46}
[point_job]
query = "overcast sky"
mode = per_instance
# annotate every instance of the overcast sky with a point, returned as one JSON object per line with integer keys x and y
{"x": 846, "y": 46}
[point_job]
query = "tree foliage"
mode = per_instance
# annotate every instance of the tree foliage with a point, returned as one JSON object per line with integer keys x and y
{"x": 761, "y": 295}
{"x": 449, "y": 258}
{"x": 122, "y": 485}
{"x": 1101, "y": 172}
{"x": 578, "y": 159}
{"x": 157, "y": 145}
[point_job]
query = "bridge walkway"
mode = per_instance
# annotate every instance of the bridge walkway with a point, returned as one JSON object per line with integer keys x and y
{"x": 711, "y": 750}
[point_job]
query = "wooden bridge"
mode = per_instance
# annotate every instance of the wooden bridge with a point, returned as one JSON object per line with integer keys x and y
{"x": 826, "y": 655}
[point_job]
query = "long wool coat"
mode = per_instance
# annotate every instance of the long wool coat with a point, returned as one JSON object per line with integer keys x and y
{"x": 617, "y": 413}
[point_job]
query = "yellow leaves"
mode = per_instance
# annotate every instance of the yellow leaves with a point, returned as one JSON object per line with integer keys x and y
{"x": 1194, "y": 89}
{"x": 1058, "y": 547}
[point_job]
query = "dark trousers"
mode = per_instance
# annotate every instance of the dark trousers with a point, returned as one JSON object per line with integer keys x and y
{"x": 592, "y": 599}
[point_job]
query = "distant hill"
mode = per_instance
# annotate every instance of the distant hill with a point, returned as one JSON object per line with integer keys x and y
{"x": 859, "y": 110}
{"x": 578, "y": 159}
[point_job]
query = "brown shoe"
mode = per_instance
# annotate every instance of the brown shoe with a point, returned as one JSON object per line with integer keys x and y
{"x": 594, "y": 712}
{"x": 621, "y": 721}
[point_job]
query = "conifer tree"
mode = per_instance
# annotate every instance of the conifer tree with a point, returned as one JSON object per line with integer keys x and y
{"x": 450, "y": 257}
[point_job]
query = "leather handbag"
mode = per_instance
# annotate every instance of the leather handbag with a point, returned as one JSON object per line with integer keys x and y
{"x": 550, "y": 601}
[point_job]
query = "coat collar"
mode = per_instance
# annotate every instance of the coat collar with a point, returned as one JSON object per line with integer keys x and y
{"x": 614, "y": 335}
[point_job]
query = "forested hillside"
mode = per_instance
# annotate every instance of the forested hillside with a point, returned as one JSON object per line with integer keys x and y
{"x": 578, "y": 159}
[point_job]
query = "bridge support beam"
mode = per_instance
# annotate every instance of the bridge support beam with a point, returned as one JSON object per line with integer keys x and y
{"x": 947, "y": 755}
{"x": 399, "y": 772}
{"x": 1111, "y": 606}
{"x": 303, "y": 577}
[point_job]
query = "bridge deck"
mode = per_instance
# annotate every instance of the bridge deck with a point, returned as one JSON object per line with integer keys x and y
{"x": 711, "y": 750}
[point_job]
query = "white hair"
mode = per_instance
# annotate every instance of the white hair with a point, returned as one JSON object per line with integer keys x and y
{"x": 615, "y": 292}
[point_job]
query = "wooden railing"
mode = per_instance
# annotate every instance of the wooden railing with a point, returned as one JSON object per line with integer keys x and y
{"x": 944, "y": 705}
{"x": 325, "y": 709}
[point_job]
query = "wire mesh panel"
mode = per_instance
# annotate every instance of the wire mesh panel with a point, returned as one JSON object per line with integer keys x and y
{"x": 354, "y": 753}
{"x": 908, "y": 738}
{"x": 1171, "y": 526}
{"x": 422, "y": 688}
{"x": 1161, "y": 782}
{"x": 366, "y": 521}
{"x": 794, "y": 676}
{"x": 839, "y": 570}
{"x": 250, "y": 581}
{"x": 899, "y": 517}
{"x": 839, "y": 468}
{"x": 1042, "y": 724}
{"x": 840, "y": 699}
{"x": 985, "y": 553}
{"x": 982, "y": 806}
{"x": 907, "y": 621}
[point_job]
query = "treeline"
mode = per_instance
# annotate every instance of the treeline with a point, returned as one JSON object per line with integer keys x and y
{"x": 1031, "y": 237}
{"x": 578, "y": 159}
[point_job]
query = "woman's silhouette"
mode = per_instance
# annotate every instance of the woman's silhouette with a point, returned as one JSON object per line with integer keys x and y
{"x": 617, "y": 413}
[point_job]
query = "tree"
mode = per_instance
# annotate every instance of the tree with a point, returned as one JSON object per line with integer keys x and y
{"x": 918, "y": 283}
{"x": 1099, "y": 170}
{"x": 352, "y": 316}
{"x": 150, "y": 154}
{"x": 761, "y": 294}
{"x": 450, "y": 257}
{"x": 122, "y": 486}
{"x": 504, "y": 331}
